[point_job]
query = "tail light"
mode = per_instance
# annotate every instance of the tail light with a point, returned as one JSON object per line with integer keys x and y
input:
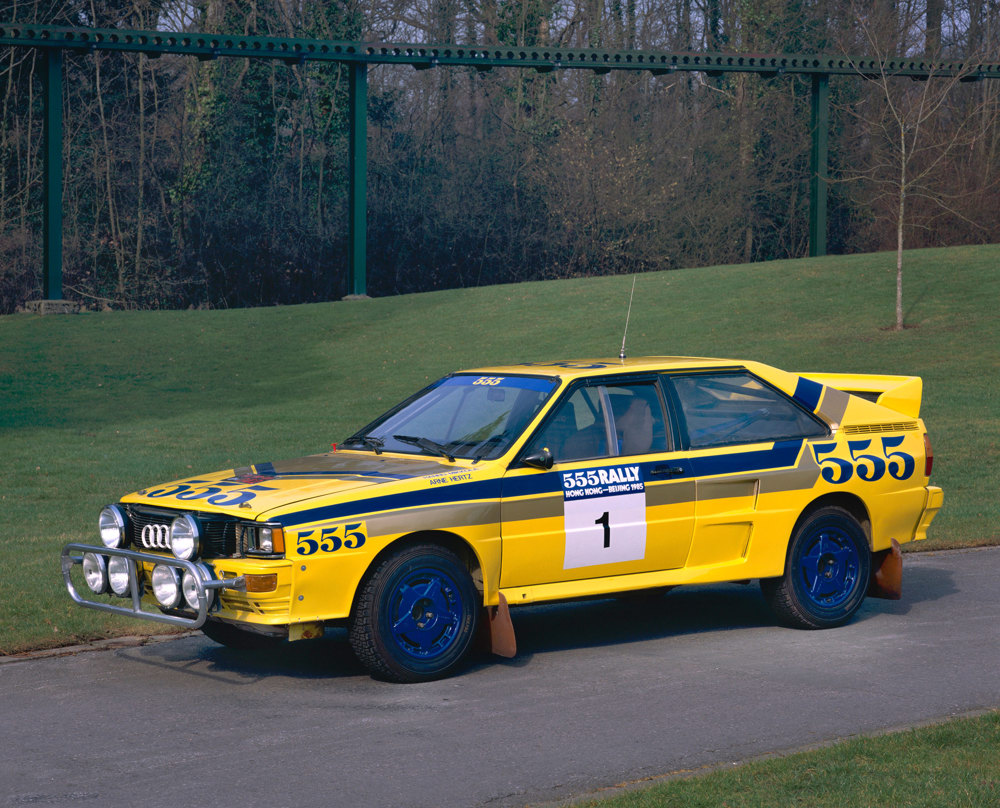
{"x": 928, "y": 456}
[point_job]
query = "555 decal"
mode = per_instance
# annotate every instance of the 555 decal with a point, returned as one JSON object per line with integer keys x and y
{"x": 869, "y": 463}
{"x": 318, "y": 541}
{"x": 225, "y": 493}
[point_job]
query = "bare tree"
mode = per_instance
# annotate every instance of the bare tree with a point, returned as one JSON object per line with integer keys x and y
{"x": 907, "y": 132}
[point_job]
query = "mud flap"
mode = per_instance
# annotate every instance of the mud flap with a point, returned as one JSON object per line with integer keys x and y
{"x": 501, "y": 640}
{"x": 887, "y": 574}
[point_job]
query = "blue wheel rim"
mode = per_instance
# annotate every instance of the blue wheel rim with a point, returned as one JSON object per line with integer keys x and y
{"x": 828, "y": 568}
{"x": 426, "y": 613}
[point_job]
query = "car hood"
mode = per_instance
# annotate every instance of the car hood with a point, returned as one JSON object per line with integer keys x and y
{"x": 253, "y": 490}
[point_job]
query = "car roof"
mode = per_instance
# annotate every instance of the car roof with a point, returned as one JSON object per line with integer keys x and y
{"x": 578, "y": 368}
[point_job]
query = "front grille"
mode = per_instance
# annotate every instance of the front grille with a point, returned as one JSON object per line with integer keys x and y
{"x": 219, "y": 533}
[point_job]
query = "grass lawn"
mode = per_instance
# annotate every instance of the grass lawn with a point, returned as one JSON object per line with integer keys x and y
{"x": 97, "y": 405}
{"x": 953, "y": 765}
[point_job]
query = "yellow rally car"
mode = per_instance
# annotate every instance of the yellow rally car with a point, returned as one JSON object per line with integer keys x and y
{"x": 535, "y": 482}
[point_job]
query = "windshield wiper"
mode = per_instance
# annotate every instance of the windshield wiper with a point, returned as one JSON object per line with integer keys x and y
{"x": 371, "y": 442}
{"x": 427, "y": 445}
{"x": 486, "y": 447}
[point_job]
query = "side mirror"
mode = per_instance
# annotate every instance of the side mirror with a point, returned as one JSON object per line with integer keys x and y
{"x": 540, "y": 460}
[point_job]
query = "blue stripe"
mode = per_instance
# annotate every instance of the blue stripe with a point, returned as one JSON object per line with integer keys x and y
{"x": 321, "y": 474}
{"x": 517, "y": 382}
{"x": 808, "y": 393}
{"x": 450, "y": 494}
{"x": 782, "y": 455}
{"x": 548, "y": 483}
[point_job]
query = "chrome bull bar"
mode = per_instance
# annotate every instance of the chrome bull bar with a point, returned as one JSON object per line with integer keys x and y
{"x": 205, "y": 582}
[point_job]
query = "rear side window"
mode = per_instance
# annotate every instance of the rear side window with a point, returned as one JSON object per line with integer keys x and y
{"x": 724, "y": 409}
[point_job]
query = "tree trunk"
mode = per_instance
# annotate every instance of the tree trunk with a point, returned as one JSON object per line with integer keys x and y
{"x": 899, "y": 230}
{"x": 932, "y": 35}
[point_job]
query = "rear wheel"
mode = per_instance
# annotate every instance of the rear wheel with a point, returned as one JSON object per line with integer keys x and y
{"x": 416, "y": 615}
{"x": 826, "y": 573}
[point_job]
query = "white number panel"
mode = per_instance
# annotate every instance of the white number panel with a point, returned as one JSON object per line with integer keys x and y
{"x": 605, "y": 516}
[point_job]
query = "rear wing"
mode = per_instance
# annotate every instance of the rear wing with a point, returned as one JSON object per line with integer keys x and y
{"x": 899, "y": 393}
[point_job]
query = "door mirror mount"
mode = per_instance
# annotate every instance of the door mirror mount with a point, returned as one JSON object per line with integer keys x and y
{"x": 540, "y": 460}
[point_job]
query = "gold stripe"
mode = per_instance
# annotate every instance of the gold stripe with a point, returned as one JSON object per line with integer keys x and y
{"x": 729, "y": 487}
{"x": 834, "y": 404}
{"x": 672, "y": 493}
{"x": 549, "y": 506}
{"x": 443, "y": 517}
{"x": 802, "y": 478}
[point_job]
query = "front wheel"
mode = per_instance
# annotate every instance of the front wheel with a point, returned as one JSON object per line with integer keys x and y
{"x": 415, "y": 616}
{"x": 826, "y": 573}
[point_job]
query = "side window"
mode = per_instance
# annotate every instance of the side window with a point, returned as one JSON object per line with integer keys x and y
{"x": 736, "y": 408}
{"x": 576, "y": 430}
{"x": 639, "y": 423}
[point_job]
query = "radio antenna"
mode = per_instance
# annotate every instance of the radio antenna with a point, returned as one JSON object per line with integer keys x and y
{"x": 621, "y": 354}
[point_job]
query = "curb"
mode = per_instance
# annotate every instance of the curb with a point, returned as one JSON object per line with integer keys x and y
{"x": 129, "y": 641}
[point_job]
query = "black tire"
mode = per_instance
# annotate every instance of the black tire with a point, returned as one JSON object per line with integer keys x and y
{"x": 827, "y": 572}
{"x": 415, "y": 616}
{"x": 238, "y": 638}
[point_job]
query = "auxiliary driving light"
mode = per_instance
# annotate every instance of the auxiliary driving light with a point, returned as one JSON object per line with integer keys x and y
{"x": 111, "y": 524}
{"x": 95, "y": 573}
{"x": 118, "y": 575}
{"x": 190, "y": 587}
{"x": 185, "y": 537}
{"x": 166, "y": 586}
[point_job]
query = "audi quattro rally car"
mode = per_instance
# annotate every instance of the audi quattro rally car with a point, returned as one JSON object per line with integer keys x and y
{"x": 535, "y": 482}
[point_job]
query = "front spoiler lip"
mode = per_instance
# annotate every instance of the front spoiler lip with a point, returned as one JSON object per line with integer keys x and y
{"x": 201, "y": 573}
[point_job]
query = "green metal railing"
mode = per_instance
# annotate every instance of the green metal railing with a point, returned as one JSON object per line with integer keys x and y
{"x": 52, "y": 41}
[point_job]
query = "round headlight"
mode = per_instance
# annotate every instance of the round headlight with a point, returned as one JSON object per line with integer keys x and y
{"x": 118, "y": 575}
{"x": 190, "y": 587}
{"x": 111, "y": 524}
{"x": 95, "y": 573}
{"x": 185, "y": 537}
{"x": 166, "y": 586}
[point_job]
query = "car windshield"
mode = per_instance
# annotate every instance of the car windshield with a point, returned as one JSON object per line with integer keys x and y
{"x": 469, "y": 416}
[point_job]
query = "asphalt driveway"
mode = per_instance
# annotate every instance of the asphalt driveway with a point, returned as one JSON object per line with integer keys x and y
{"x": 601, "y": 693}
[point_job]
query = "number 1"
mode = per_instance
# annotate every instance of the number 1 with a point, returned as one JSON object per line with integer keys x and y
{"x": 604, "y": 520}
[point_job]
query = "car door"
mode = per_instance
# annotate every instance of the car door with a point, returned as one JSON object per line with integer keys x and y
{"x": 616, "y": 501}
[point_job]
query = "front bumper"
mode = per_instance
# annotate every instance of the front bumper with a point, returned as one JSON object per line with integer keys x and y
{"x": 205, "y": 582}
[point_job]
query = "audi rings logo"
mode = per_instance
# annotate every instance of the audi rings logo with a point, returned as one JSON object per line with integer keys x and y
{"x": 156, "y": 537}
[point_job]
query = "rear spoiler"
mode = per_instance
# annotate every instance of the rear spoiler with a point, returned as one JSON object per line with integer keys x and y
{"x": 899, "y": 393}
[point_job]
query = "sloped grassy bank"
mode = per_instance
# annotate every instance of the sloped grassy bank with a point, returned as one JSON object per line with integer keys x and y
{"x": 95, "y": 405}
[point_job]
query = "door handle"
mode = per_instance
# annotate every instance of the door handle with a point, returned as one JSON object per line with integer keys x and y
{"x": 667, "y": 471}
